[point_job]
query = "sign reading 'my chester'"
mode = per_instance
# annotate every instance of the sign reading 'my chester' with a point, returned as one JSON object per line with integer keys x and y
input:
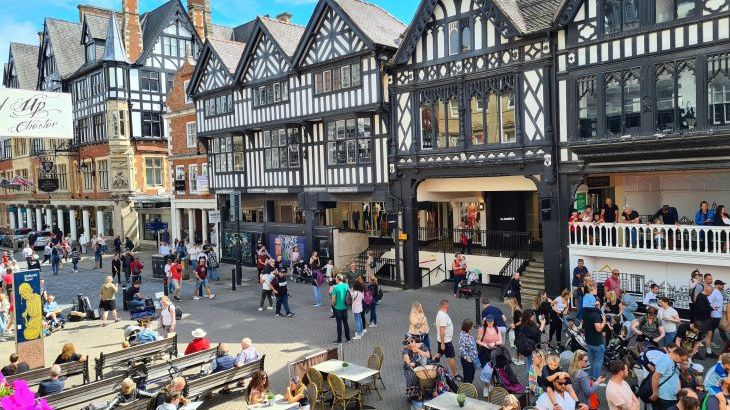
{"x": 35, "y": 114}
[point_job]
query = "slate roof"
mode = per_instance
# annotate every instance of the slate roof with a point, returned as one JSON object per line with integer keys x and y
{"x": 530, "y": 16}
{"x": 97, "y": 26}
{"x": 221, "y": 32}
{"x": 151, "y": 22}
{"x": 243, "y": 32}
{"x": 64, "y": 37}
{"x": 25, "y": 57}
{"x": 287, "y": 35}
{"x": 375, "y": 22}
{"x": 114, "y": 43}
{"x": 229, "y": 51}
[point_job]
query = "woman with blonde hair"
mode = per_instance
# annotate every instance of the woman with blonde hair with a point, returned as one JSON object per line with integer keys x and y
{"x": 168, "y": 321}
{"x": 534, "y": 373}
{"x": 510, "y": 403}
{"x": 370, "y": 264}
{"x": 582, "y": 384}
{"x": 558, "y": 309}
{"x": 68, "y": 354}
{"x": 128, "y": 393}
{"x": 418, "y": 325}
{"x": 613, "y": 304}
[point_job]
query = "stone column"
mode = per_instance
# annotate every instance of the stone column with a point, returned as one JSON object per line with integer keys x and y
{"x": 100, "y": 222}
{"x": 177, "y": 215}
{"x": 13, "y": 221}
{"x": 49, "y": 218}
{"x": 72, "y": 224}
{"x": 191, "y": 225}
{"x": 204, "y": 223}
{"x": 61, "y": 225}
{"x": 87, "y": 224}
{"x": 29, "y": 218}
{"x": 38, "y": 219}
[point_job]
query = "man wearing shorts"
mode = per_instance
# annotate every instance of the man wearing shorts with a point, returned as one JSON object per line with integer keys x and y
{"x": 703, "y": 312}
{"x": 201, "y": 276}
{"x": 108, "y": 296}
{"x": 445, "y": 334}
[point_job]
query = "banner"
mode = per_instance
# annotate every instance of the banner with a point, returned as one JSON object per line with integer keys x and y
{"x": 29, "y": 317}
{"x": 35, "y": 114}
{"x": 202, "y": 182}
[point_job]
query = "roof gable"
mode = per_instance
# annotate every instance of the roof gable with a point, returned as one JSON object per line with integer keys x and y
{"x": 264, "y": 56}
{"x": 69, "y": 53}
{"x": 155, "y": 21}
{"x": 24, "y": 60}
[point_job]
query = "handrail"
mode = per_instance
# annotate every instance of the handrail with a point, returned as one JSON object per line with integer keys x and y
{"x": 439, "y": 267}
{"x": 682, "y": 239}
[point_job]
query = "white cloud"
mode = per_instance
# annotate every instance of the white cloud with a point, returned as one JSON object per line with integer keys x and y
{"x": 17, "y": 32}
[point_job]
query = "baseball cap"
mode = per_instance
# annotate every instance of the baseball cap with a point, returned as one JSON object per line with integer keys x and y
{"x": 719, "y": 282}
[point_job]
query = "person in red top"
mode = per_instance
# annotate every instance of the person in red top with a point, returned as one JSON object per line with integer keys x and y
{"x": 614, "y": 282}
{"x": 6, "y": 260}
{"x": 136, "y": 268}
{"x": 176, "y": 276}
{"x": 8, "y": 282}
{"x": 199, "y": 342}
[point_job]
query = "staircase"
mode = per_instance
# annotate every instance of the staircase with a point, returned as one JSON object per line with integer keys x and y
{"x": 533, "y": 279}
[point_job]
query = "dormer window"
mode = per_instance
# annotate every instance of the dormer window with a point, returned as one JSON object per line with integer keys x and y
{"x": 90, "y": 52}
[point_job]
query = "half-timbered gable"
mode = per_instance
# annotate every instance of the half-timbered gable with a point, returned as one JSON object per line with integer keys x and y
{"x": 265, "y": 58}
{"x": 22, "y": 67}
{"x": 61, "y": 53}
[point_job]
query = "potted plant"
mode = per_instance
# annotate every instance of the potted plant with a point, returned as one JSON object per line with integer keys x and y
{"x": 271, "y": 396}
{"x": 345, "y": 364}
{"x": 461, "y": 399}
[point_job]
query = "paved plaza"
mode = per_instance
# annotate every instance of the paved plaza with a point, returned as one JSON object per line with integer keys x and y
{"x": 230, "y": 316}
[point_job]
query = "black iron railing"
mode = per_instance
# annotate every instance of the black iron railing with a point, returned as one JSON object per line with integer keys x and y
{"x": 474, "y": 241}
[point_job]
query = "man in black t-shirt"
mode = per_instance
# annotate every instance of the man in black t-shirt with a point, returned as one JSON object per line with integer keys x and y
{"x": 609, "y": 215}
{"x": 133, "y": 296}
{"x": 593, "y": 324}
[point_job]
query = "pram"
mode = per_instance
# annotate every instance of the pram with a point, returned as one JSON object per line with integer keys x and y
{"x": 502, "y": 374}
{"x": 616, "y": 349}
{"x": 576, "y": 338}
{"x": 468, "y": 286}
{"x": 302, "y": 273}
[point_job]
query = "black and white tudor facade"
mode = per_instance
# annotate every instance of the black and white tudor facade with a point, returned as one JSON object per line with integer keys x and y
{"x": 301, "y": 128}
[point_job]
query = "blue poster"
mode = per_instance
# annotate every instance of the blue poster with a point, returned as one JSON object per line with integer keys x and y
{"x": 28, "y": 305}
{"x": 283, "y": 245}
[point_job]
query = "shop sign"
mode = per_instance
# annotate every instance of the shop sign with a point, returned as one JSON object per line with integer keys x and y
{"x": 48, "y": 184}
{"x": 29, "y": 317}
{"x": 180, "y": 185}
{"x": 214, "y": 217}
{"x": 35, "y": 114}
{"x": 580, "y": 201}
{"x": 39, "y": 202}
{"x": 202, "y": 182}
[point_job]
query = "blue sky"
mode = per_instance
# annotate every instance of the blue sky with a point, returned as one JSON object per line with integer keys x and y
{"x": 21, "y": 20}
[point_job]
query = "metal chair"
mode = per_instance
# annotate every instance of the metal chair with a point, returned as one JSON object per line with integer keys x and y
{"x": 497, "y": 395}
{"x": 315, "y": 377}
{"x": 468, "y": 390}
{"x": 378, "y": 351}
{"x": 373, "y": 363}
{"x": 312, "y": 394}
{"x": 341, "y": 393}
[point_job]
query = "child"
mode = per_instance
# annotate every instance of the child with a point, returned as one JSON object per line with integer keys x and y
{"x": 75, "y": 257}
{"x": 551, "y": 372}
{"x": 296, "y": 393}
{"x": 715, "y": 377}
{"x": 516, "y": 319}
{"x": 534, "y": 373}
{"x": 4, "y": 312}
{"x": 659, "y": 241}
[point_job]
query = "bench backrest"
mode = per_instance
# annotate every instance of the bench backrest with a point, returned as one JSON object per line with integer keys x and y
{"x": 35, "y": 377}
{"x": 162, "y": 370}
{"x": 86, "y": 393}
{"x": 139, "y": 404}
{"x": 213, "y": 381}
{"x": 139, "y": 352}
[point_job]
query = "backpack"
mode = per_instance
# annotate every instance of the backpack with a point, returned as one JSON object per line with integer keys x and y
{"x": 348, "y": 299}
{"x": 318, "y": 277}
{"x": 524, "y": 345}
{"x": 507, "y": 290}
{"x": 368, "y": 297}
{"x": 178, "y": 313}
{"x": 645, "y": 390}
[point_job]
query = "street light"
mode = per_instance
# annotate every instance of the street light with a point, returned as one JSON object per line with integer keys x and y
{"x": 239, "y": 262}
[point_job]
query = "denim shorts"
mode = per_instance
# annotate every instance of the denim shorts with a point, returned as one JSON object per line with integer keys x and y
{"x": 203, "y": 283}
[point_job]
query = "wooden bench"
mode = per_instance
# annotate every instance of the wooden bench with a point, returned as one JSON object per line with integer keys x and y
{"x": 35, "y": 377}
{"x": 140, "y": 404}
{"x": 86, "y": 393}
{"x": 161, "y": 371}
{"x": 206, "y": 384}
{"x": 134, "y": 354}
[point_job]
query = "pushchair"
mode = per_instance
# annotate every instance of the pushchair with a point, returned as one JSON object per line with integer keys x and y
{"x": 502, "y": 374}
{"x": 616, "y": 349}
{"x": 468, "y": 287}
{"x": 576, "y": 338}
{"x": 302, "y": 273}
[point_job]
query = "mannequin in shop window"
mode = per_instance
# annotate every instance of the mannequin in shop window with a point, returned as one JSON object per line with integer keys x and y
{"x": 356, "y": 220}
{"x": 366, "y": 217}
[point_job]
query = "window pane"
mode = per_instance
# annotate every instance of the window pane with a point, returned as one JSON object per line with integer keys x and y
{"x": 355, "y": 74}
{"x": 363, "y": 151}
{"x": 454, "y": 37}
{"x": 631, "y": 14}
{"x": 351, "y": 152}
{"x": 685, "y": 8}
{"x": 441, "y": 121}
{"x": 275, "y": 158}
{"x": 267, "y": 139}
{"x": 267, "y": 158}
{"x": 665, "y": 101}
{"x": 665, "y": 10}
{"x": 687, "y": 98}
{"x": 587, "y": 115}
{"x": 318, "y": 83}
{"x": 426, "y": 126}
{"x": 612, "y": 16}
{"x": 466, "y": 39}
{"x": 351, "y": 128}
{"x": 493, "y": 113}
{"x": 632, "y": 103}
{"x": 613, "y": 107}
{"x": 508, "y": 118}
{"x": 331, "y": 131}
{"x": 345, "y": 76}
{"x": 341, "y": 153}
{"x": 331, "y": 153}
{"x": 327, "y": 78}
{"x": 364, "y": 129}
{"x": 294, "y": 155}
{"x": 283, "y": 157}
{"x": 336, "y": 79}
{"x": 719, "y": 99}
{"x": 477, "y": 121}
{"x": 341, "y": 129}
{"x": 454, "y": 121}
{"x": 282, "y": 138}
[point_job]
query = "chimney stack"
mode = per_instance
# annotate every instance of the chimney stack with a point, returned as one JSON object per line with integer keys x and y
{"x": 131, "y": 29}
{"x": 85, "y": 9}
{"x": 284, "y": 17}
{"x": 199, "y": 12}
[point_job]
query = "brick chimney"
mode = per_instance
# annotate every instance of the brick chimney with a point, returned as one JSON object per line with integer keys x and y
{"x": 131, "y": 29}
{"x": 284, "y": 17}
{"x": 199, "y": 12}
{"x": 85, "y": 9}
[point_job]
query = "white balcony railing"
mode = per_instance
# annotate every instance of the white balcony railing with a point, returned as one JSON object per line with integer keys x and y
{"x": 665, "y": 239}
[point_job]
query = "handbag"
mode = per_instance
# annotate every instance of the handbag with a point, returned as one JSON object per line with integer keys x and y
{"x": 724, "y": 324}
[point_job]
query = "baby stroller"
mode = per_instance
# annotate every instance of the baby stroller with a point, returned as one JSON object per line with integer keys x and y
{"x": 302, "y": 273}
{"x": 502, "y": 374}
{"x": 616, "y": 349}
{"x": 576, "y": 339}
{"x": 468, "y": 286}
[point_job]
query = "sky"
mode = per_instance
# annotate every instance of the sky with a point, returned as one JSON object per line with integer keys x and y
{"x": 20, "y": 21}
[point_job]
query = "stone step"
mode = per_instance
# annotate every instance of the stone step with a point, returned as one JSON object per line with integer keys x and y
{"x": 539, "y": 265}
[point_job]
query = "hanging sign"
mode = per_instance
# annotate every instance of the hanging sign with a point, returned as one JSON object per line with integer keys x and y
{"x": 35, "y": 114}
{"x": 48, "y": 184}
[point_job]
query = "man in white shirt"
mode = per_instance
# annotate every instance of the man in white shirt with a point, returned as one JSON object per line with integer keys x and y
{"x": 562, "y": 398}
{"x": 444, "y": 336}
{"x": 717, "y": 301}
{"x": 651, "y": 298}
{"x": 618, "y": 393}
{"x": 28, "y": 253}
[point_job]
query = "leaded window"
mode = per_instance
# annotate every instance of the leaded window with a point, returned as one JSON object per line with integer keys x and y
{"x": 669, "y": 10}
{"x": 623, "y": 102}
{"x": 492, "y": 118}
{"x": 587, "y": 108}
{"x": 282, "y": 148}
{"x": 273, "y": 93}
{"x": 718, "y": 89}
{"x": 676, "y": 96}
{"x": 620, "y": 15}
{"x": 336, "y": 79}
{"x": 440, "y": 123}
{"x": 349, "y": 141}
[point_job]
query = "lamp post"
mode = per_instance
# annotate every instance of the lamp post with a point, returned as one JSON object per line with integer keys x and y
{"x": 239, "y": 263}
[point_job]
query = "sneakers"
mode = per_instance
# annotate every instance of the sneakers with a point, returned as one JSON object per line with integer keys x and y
{"x": 356, "y": 337}
{"x": 196, "y": 297}
{"x": 277, "y": 315}
{"x": 290, "y": 314}
{"x": 270, "y": 308}
{"x": 518, "y": 362}
{"x": 364, "y": 331}
{"x": 372, "y": 325}
{"x": 317, "y": 305}
{"x": 260, "y": 309}
{"x": 211, "y": 296}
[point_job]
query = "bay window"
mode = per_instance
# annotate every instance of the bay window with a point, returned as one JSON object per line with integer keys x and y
{"x": 281, "y": 148}
{"x": 440, "y": 122}
{"x": 349, "y": 141}
{"x": 492, "y": 119}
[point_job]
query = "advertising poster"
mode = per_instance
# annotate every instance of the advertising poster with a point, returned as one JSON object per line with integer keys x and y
{"x": 35, "y": 114}
{"x": 283, "y": 245}
{"x": 29, "y": 317}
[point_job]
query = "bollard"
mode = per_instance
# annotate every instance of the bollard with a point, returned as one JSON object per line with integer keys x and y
{"x": 124, "y": 298}
{"x": 166, "y": 285}
{"x": 233, "y": 279}
{"x": 477, "y": 307}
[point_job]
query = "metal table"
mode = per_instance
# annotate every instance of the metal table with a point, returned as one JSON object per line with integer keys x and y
{"x": 447, "y": 401}
{"x": 353, "y": 372}
{"x": 279, "y": 403}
